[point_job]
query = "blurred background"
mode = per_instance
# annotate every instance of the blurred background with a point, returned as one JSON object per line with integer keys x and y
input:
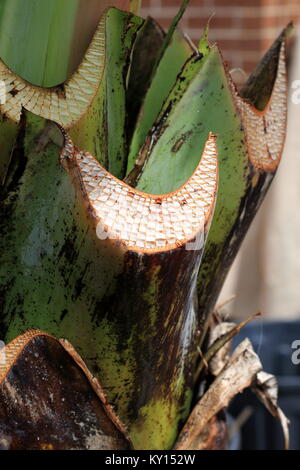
{"x": 244, "y": 29}
{"x": 266, "y": 274}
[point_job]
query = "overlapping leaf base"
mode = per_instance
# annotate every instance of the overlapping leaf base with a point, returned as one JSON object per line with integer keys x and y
{"x": 144, "y": 221}
{"x": 265, "y": 130}
{"x": 66, "y": 104}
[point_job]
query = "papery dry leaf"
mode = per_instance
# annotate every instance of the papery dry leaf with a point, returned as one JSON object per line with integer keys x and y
{"x": 266, "y": 389}
{"x": 219, "y": 360}
{"x": 214, "y": 435}
{"x": 235, "y": 377}
{"x": 240, "y": 371}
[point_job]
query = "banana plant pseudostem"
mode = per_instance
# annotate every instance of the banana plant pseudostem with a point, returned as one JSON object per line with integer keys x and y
{"x": 125, "y": 195}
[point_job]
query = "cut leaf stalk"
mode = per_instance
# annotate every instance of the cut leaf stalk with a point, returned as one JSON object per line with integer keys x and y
{"x": 115, "y": 269}
{"x": 80, "y": 275}
{"x": 92, "y": 103}
{"x": 163, "y": 80}
{"x": 240, "y": 196}
{"x": 44, "y": 41}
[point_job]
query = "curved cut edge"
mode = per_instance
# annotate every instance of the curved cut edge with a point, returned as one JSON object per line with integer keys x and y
{"x": 265, "y": 130}
{"x": 11, "y": 351}
{"x": 96, "y": 386}
{"x": 146, "y": 222}
{"x": 64, "y": 104}
{"x": 9, "y": 354}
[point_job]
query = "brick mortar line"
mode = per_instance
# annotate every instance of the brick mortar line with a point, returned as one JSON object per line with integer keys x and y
{"x": 246, "y": 55}
{"x": 226, "y": 12}
{"x": 237, "y": 34}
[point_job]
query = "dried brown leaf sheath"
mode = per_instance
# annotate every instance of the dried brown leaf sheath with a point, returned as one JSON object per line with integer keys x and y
{"x": 47, "y": 402}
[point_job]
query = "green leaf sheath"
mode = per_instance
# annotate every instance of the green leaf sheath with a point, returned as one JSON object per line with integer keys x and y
{"x": 92, "y": 104}
{"x": 43, "y": 41}
{"x": 200, "y": 102}
{"x": 163, "y": 80}
{"x": 102, "y": 130}
{"x": 171, "y": 31}
{"x": 144, "y": 54}
{"x": 258, "y": 88}
{"x": 31, "y": 34}
{"x": 8, "y": 134}
{"x": 130, "y": 315}
{"x": 203, "y": 100}
{"x": 135, "y": 315}
{"x": 242, "y": 185}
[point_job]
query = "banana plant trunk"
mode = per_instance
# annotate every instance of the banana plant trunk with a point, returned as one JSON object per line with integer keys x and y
{"x": 120, "y": 257}
{"x": 120, "y": 208}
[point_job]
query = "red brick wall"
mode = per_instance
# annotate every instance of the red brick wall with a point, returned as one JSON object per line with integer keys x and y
{"x": 243, "y": 28}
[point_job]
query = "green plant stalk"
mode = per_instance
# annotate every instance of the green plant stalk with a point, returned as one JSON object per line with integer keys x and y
{"x": 102, "y": 130}
{"x": 171, "y": 63}
{"x": 200, "y": 101}
{"x": 8, "y": 134}
{"x": 78, "y": 277}
{"x": 92, "y": 104}
{"x": 258, "y": 88}
{"x": 171, "y": 31}
{"x": 37, "y": 37}
{"x": 235, "y": 212}
{"x": 203, "y": 102}
{"x": 146, "y": 47}
{"x": 58, "y": 276}
{"x": 46, "y": 177}
{"x": 37, "y": 29}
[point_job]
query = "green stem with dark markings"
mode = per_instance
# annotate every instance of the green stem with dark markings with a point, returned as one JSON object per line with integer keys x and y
{"x": 171, "y": 31}
{"x": 233, "y": 216}
{"x": 96, "y": 92}
{"x": 113, "y": 304}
